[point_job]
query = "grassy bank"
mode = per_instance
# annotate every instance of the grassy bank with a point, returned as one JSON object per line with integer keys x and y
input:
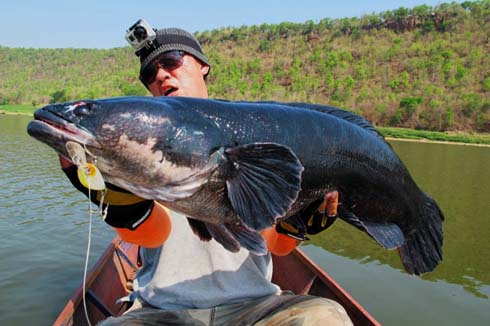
{"x": 455, "y": 137}
{"x": 401, "y": 133}
{"x": 24, "y": 109}
{"x": 422, "y": 66}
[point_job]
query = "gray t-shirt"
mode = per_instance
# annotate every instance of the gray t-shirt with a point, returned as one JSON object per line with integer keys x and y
{"x": 187, "y": 273}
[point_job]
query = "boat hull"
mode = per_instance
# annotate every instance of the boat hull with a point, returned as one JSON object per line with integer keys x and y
{"x": 112, "y": 277}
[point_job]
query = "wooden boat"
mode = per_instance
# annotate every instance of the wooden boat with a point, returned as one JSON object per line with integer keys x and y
{"x": 111, "y": 278}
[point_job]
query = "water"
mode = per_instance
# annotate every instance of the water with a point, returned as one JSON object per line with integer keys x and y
{"x": 43, "y": 224}
{"x": 457, "y": 292}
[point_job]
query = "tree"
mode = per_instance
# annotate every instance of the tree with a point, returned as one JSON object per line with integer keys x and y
{"x": 58, "y": 96}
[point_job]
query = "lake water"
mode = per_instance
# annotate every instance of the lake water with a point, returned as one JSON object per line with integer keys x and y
{"x": 43, "y": 225}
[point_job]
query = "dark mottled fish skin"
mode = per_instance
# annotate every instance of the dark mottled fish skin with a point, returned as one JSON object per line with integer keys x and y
{"x": 227, "y": 144}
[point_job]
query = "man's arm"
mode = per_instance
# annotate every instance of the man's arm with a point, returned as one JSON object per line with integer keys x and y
{"x": 146, "y": 223}
{"x": 153, "y": 232}
{"x": 136, "y": 220}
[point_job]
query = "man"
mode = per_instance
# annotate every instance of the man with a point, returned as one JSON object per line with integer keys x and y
{"x": 183, "y": 280}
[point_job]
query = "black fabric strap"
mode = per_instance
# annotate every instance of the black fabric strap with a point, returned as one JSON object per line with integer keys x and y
{"x": 119, "y": 216}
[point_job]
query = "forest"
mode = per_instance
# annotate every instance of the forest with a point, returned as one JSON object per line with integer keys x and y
{"x": 424, "y": 67}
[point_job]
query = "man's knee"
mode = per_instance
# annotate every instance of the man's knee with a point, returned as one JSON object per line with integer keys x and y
{"x": 317, "y": 311}
{"x": 321, "y": 310}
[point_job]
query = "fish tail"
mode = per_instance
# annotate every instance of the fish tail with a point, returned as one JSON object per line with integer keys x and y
{"x": 422, "y": 249}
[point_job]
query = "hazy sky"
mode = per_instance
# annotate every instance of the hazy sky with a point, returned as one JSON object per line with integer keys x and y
{"x": 102, "y": 23}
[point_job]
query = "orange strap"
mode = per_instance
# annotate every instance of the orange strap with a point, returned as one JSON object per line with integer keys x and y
{"x": 152, "y": 232}
{"x": 279, "y": 244}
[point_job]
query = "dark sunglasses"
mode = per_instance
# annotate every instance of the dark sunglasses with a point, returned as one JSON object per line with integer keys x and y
{"x": 168, "y": 61}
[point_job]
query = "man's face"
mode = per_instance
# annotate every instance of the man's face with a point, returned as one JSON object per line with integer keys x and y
{"x": 187, "y": 80}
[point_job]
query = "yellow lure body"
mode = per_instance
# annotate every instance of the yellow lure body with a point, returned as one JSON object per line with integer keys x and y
{"x": 88, "y": 174}
{"x": 90, "y": 177}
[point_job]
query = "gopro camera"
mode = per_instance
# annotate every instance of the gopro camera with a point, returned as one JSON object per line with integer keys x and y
{"x": 140, "y": 35}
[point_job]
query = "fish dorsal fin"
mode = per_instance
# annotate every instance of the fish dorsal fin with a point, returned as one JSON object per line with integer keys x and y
{"x": 263, "y": 181}
{"x": 339, "y": 113}
{"x": 388, "y": 235}
{"x": 331, "y": 110}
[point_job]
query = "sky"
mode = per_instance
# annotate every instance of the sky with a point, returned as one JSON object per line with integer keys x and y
{"x": 102, "y": 23}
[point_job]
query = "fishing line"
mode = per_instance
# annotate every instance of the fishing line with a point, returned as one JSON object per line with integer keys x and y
{"x": 91, "y": 178}
{"x": 103, "y": 213}
{"x": 84, "y": 284}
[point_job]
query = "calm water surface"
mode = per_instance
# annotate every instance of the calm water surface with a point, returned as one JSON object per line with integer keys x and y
{"x": 43, "y": 225}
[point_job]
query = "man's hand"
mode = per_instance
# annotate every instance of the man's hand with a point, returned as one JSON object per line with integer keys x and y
{"x": 317, "y": 217}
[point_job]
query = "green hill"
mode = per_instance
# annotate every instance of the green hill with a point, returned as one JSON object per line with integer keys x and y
{"x": 424, "y": 67}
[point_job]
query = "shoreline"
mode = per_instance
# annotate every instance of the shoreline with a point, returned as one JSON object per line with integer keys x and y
{"x": 15, "y": 113}
{"x": 428, "y": 141}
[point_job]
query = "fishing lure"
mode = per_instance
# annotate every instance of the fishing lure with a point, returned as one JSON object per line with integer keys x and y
{"x": 88, "y": 174}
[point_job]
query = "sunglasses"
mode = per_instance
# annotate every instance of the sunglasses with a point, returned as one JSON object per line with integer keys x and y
{"x": 168, "y": 61}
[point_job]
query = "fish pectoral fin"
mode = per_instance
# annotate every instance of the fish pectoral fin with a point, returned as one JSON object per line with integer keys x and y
{"x": 388, "y": 235}
{"x": 263, "y": 181}
{"x": 199, "y": 228}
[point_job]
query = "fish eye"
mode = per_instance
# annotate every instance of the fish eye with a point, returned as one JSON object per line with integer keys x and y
{"x": 82, "y": 110}
{"x": 85, "y": 109}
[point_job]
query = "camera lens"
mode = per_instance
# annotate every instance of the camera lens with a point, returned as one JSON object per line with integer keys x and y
{"x": 140, "y": 33}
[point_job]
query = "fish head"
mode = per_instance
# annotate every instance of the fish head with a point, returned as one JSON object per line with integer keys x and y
{"x": 57, "y": 124}
{"x": 138, "y": 143}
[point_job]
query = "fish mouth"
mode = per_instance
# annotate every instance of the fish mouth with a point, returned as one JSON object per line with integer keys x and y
{"x": 55, "y": 131}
